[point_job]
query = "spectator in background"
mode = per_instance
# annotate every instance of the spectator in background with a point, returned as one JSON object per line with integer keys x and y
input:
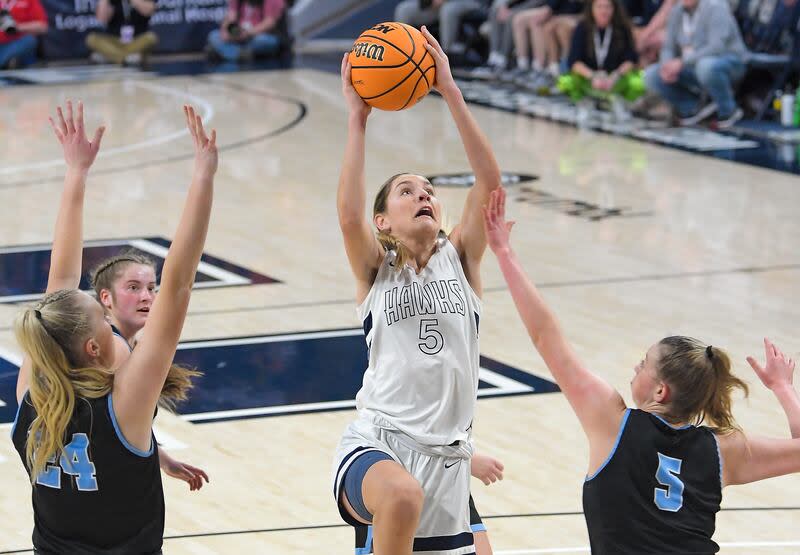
{"x": 501, "y": 39}
{"x": 602, "y": 57}
{"x": 20, "y": 22}
{"x": 251, "y": 28}
{"x": 649, "y": 19}
{"x": 703, "y": 54}
{"x": 448, "y": 13}
{"x": 547, "y": 31}
{"x": 767, "y": 26}
{"x": 126, "y": 39}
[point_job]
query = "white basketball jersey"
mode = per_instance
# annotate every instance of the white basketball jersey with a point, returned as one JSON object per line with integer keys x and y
{"x": 422, "y": 337}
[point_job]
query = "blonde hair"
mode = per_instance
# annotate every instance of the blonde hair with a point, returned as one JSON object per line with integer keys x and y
{"x": 177, "y": 385}
{"x": 52, "y": 334}
{"x": 388, "y": 241}
{"x": 702, "y": 383}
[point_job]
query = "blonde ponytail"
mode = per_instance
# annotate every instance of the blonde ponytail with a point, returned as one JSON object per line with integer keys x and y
{"x": 52, "y": 335}
{"x": 701, "y": 381}
{"x": 718, "y": 410}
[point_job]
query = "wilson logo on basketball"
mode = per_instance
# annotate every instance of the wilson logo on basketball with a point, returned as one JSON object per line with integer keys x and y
{"x": 371, "y": 51}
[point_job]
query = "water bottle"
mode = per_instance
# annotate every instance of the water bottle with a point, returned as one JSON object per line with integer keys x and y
{"x": 797, "y": 110}
{"x": 787, "y": 109}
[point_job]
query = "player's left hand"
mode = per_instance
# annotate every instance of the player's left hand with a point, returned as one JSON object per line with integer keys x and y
{"x": 495, "y": 226}
{"x": 486, "y": 469}
{"x": 190, "y": 474}
{"x": 79, "y": 152}
{"x": 778, "y": 370}
{"x": 206, "y": 157}
{"x": 444, "y": 82}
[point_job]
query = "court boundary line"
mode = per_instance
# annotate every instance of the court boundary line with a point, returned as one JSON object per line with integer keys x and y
{"x": 205, "y": 105}
{"x": 302, "y": 113}
{"x": 587, "y": 549}
{"x": 221, "y": 276}
{"x": 544, "y": 285}
{"x": 522, "y": 515}
{"x": 498, "y": 289}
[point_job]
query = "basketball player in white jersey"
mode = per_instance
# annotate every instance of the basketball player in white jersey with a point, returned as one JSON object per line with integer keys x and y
{"x": 404, "y": 465}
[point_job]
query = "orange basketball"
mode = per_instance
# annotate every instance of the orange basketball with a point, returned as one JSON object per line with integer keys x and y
{"x": 391, "y": 69}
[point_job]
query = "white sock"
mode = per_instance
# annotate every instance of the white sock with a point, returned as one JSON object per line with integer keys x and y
{"x": 537, "y": 66}
{"x": 523, "y": 63}
{"x": 493, "y": 59}
{"x": 553, "y": 69}
{"x": 501, "y": 60}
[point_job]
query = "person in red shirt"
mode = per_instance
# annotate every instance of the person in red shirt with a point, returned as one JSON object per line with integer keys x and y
{"x": 251, "y": 28}
{"x": 20, "y": 22}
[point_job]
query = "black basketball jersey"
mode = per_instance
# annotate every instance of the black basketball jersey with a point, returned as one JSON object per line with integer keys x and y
{"x": 115, "y": 331}
{"x": 102, "y": 495}
{"x": 658, "y": 492}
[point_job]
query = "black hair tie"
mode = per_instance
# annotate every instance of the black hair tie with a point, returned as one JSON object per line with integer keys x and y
{"x": 710, "y": 352}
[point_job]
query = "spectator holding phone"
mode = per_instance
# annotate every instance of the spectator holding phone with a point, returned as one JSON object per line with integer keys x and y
{"x": 20, "y": 22}
{"x": 251, "y": 29}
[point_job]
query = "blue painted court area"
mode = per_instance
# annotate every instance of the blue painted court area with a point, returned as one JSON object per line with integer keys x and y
{"x": 23, "y": 269}
{"x": 303, "y": 372}
{"x": 8, "y": 387}
{"x": 270, "y": 375}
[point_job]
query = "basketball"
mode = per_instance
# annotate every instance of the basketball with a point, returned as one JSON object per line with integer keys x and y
{"x": 391, "y": 69}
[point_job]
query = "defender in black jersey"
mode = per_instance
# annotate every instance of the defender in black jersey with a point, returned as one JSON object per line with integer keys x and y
{"x": 125, "y": 285}
{"x": 661, "y": 487}
{"x": 84, "y": 425}
{"x": 192, "y": 475}
{"x": 102, "y": 495}
{"x": 655, "y": 474}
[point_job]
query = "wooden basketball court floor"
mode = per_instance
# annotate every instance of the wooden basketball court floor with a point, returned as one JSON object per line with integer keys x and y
{"x": 700, "y": 246}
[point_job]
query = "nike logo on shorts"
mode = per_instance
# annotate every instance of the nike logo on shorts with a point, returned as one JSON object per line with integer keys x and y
{"x": 452, "y": 463}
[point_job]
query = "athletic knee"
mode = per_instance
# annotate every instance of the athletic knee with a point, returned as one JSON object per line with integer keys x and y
{"x": 402, "y": 496}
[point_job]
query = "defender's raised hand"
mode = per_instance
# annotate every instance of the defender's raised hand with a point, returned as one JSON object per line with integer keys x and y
{"x": 206, "y": 157}
{"x": 79, "y": 152}
{"x": 496, "y": 227}
{"x": 779, "y": 369}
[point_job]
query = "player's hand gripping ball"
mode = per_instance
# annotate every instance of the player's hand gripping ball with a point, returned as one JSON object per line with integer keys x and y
{"x": 391, "y": 68}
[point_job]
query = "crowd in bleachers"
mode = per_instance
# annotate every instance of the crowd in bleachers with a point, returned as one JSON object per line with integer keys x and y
{"x": 704, "y": 58}
{"x": 250, "y": 28}
{"x": 701, "y": 57}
